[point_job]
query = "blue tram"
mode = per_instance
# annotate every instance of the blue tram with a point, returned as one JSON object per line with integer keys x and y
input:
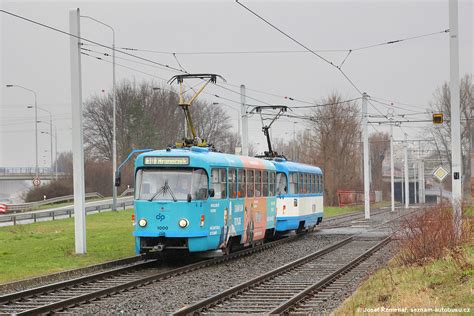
{"x": 300, "y": 195}
{"x": 197, "y": 200}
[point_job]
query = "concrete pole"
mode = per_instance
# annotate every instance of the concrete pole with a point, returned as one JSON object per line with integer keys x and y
{"x": 114, "y": 126}
{"x": 56, "y": 152}
{"x": 245, "y": 122}
{"x": 455, "y": 115}
{"x": 415, "y": 180}
{"x": 239, "y": 122}
{"x": 392, "y": 171}
{"x": 36, "y": 138}
{"x": 77, "y": 134}
{"x": 402, "y": 186}
{"x": 294, "y": 141}
{"x": 423, "y": 195}
{"x": 365, "y": 133}
{"x": 407, "y": 183}
{"x": 51, "y": 137}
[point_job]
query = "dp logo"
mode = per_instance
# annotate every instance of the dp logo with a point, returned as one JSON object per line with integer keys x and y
{"x": 160, "y": 217}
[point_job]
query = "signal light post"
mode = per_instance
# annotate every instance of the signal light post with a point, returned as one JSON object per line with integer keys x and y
{"x": 455, "y": 115}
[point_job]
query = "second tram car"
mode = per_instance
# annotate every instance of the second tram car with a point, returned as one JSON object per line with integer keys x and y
{"x": 300, "y": 195}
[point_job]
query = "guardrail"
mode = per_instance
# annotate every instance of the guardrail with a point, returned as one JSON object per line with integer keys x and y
{"x": 25, "y": 170}
{"x": 128, "y": 191}
{"x": 24, "y": 207}
{"x": 62, "y": 212}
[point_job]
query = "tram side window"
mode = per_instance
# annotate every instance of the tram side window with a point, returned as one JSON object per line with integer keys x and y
{"x": 313, "y": 183}
{"x": 258, "y": 183}
{"x": 265, "y": 183}
{"x": 241, "y": 183}
{"x": 271, "y": 181}
{"x": 219, "y": 183}
{"x": 300, "y": 183}
{"x": 232, "y": 183}
{"x": 293, "y": 182}
{"x": 306, "y": 183}
{"x": 321, "y": 187}
{"x": 319, "y": 184}
{"x": 250, "y": 178}
{"x": 281, "y": 183}
{"x": 309, "y": 186}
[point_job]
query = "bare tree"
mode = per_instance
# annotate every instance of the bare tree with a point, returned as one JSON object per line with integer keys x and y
{"x": 147, "y": 117}
{"x": 335, "y": 131}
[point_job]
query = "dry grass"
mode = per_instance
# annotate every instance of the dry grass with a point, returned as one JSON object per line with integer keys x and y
{"x": 430, "y": 234}
{"x": 432, "y": 270}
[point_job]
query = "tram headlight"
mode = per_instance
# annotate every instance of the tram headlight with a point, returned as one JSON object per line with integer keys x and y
{"x": 142, "y": 222}
{"x": 183, "y": 223}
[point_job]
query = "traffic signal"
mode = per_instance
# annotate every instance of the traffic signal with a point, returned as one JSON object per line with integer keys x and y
{"x": 438, "y": 118}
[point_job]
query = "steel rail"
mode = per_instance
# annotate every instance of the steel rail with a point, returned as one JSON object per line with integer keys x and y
{"x": 349, "y": 216}
{"x": 213, "y": 301}
{"x": 255, "y": 281}
{"x": 23, "y": 296}
{"x": 283, "y": 308}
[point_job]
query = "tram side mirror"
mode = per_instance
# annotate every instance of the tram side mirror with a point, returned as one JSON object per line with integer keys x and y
{"x": 190, "y": 197}
{"x": 211, "y": 192}
{"x": 117, "y": 178}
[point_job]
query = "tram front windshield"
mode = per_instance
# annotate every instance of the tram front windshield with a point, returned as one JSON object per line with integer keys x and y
{"x": 171, "y": 184}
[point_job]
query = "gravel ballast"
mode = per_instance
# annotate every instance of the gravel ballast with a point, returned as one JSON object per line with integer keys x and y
{"x": 170, "y": 295}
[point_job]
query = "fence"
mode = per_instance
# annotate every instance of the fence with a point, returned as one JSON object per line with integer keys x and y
{"x": 61, "y": 213}
{"x": 352, "y": 197}
{"x": 24, "y": 207}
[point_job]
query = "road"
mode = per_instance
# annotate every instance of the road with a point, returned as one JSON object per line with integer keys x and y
{"x": 62, "y": 212}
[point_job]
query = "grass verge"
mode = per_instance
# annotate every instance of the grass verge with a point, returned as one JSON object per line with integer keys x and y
{"x": 48, "y": 247}
{"x": 330, "y": 211}
{"x": 433, "y": 273}
{"x": 443, "y": 283}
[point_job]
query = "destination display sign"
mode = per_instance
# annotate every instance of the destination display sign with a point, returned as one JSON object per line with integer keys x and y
{"x": 169, "y": 161}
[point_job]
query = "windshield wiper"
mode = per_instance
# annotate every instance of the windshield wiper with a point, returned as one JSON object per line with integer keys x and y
{"x": 164, "y": 189}
{"x": 167, "y": 188}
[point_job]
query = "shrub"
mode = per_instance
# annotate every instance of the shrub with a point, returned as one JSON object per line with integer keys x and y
{"x": 55, "y": 188}
{"x": 430, "y": 234}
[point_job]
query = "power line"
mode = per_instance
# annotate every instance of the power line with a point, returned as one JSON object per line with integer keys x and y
{"x": 301, "y": 44}
{"x": 87, "y": 40}
{"x": 393, "y": 106}
{"x": 249, "y": 52}
{"x": 326, "y": 104}
{"x": 401, "y": 40}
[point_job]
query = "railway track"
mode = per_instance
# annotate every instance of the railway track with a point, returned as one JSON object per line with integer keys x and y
{"x": 58, "y": 297}
{"x": 279, "y": 290}
{"x": 339, "y": 220}
{"x": 62, "y": 295}
{"x": 299, "y": 286}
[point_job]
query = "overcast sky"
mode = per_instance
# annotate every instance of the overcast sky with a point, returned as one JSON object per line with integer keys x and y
{"x": 406, "y": 72}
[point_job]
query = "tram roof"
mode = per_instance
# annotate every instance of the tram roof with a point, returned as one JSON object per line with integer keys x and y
{"x": 202, "y": 157}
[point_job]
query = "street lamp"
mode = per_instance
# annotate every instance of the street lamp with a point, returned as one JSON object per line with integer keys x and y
{"x": 36, "y": 124}
{"x": 51, "y": 139}
{"x": 55, "y": 150}
{"x": 50, "y": 128}
{"x": 114, "y": 134}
